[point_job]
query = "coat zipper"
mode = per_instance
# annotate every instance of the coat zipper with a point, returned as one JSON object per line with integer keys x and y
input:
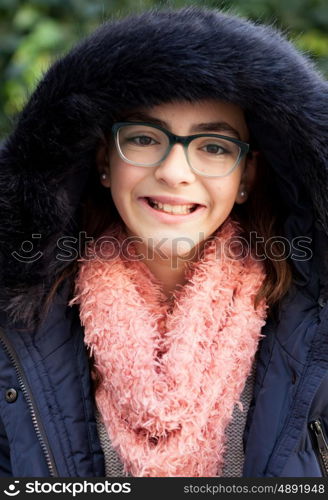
{"x": 26, "y": 390}
{"x": 321, "y": 445}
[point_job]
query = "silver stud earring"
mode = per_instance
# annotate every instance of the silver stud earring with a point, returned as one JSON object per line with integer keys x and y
{"x": 243, "y": 194}
{"x": 103, "y": 176}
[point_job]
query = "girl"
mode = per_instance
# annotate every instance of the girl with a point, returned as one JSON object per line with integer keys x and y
{"x": 164, "y": 239}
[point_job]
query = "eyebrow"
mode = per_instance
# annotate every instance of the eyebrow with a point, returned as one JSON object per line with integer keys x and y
{"x": 219, "y": 126}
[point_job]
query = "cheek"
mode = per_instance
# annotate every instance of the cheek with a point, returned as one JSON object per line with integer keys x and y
{"x": 124, "y": 180}
{"x": 120, "y": 178}
{"x": 121, "y": 174}
{"x": 224, "y": 191}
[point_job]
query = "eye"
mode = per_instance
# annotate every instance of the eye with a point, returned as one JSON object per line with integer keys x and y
{"x": 214, "y": 149}
{"x": 142, "y": 140}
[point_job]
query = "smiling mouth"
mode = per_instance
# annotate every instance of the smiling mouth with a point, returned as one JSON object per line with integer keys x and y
{"x": 172, "y": 209}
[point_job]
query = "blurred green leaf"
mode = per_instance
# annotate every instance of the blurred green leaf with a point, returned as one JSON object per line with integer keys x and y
{"x": 26, "y": 17}
{"x": 313, "y": 41}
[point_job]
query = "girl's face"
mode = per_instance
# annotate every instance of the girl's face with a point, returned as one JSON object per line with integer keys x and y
{"x": 130, "y": 184}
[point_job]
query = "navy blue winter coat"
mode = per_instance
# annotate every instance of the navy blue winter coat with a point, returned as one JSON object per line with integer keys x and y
{"x": 47, "y": 164}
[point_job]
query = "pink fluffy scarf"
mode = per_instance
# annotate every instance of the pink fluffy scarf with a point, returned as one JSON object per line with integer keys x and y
{"x": 170, "y": 373}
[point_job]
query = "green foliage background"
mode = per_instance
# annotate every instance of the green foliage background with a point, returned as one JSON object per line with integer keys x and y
{"x": 34, "y": 32}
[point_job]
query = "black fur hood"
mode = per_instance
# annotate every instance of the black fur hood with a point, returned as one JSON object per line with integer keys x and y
{"x": 147, "y": 59}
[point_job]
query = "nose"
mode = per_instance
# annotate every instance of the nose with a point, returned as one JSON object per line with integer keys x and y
{"x": 175, "y": 168}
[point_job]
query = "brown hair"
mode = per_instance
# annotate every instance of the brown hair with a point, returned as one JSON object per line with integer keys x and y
{"x": 263, "y": 213}
{"x": 260, "y": 213}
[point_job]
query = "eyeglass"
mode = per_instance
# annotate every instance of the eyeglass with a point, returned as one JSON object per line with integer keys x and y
{"x": 147, "y": 145}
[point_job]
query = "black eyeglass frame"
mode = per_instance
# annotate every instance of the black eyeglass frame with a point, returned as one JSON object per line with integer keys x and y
{"x": 179, "y": 139}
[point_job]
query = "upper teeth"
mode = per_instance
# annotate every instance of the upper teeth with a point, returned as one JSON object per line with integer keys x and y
{"x": 175, "y": 209}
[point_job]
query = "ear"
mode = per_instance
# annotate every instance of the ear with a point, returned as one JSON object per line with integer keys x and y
{"x": 103, "y": 165}
{"x": 248, "y": 177}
